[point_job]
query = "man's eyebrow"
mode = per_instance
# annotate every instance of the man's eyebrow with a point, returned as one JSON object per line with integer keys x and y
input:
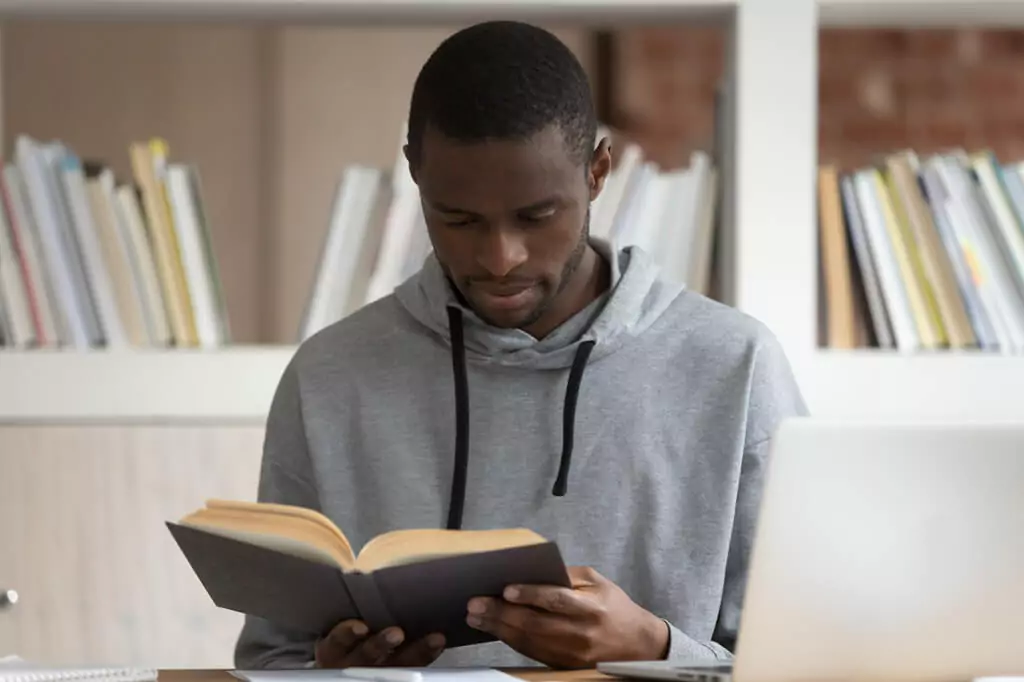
{"x": 444, "y": 208}
{"x": 546, "y": 203}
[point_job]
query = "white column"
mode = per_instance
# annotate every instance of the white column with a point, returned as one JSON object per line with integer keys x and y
{"x": 776, "y": 128}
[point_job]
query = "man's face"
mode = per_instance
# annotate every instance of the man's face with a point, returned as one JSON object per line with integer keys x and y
{"x": 508, "y": 220}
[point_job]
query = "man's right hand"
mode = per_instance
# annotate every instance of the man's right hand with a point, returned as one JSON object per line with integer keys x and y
{"x": 350, "y": 644}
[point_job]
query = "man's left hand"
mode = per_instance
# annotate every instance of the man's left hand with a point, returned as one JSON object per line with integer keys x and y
{"x": 575, "y": 627}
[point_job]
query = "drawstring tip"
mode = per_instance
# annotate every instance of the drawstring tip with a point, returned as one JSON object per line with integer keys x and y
{"x": 561, "y": 487}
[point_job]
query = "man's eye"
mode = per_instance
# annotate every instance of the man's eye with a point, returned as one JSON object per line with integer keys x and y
{"x": 458, "y": 222}
{"x": 538, "y": 217}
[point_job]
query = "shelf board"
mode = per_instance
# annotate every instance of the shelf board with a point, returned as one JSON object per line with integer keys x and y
{"x": 234, "y": 384}
{"x": 377, "y": 11}
{"x": 944, "y": 385}
{"x": 237, "y": 384}
{"x": 921, "y": 13}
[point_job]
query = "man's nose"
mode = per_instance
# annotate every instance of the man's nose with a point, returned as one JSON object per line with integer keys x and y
{"x": 500, "y": 251}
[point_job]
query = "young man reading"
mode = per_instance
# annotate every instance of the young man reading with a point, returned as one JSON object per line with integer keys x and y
{"x": 530, "y": 376}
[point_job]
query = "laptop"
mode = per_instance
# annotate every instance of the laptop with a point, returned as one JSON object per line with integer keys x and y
{"x": 883, "y": 551}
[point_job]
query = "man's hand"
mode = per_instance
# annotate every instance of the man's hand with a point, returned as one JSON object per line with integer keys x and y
{"x": 350, "y": 644}
{"x": 572, "y": 627}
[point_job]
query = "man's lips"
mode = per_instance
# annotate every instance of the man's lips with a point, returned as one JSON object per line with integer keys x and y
{"x": 502, "y": 288}
{"x": 510, "y": 291}
{"x": 507, "y": 297}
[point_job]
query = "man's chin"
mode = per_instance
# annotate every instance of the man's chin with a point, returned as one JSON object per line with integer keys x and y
{"x": 507, "y": 318}
{"x": 504, "y": 319}
{"x": 506, "y": 313}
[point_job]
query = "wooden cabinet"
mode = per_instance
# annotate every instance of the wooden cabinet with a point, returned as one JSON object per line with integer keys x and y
{"x": 83, "y": 541}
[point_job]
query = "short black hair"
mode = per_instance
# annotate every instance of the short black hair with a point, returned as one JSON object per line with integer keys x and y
{"x": 504, "y": 80}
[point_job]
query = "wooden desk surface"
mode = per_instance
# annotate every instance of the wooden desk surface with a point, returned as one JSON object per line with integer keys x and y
{"x": 541, "y": 675}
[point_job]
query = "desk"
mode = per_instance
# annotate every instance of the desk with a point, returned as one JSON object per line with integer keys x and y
{"x": 528, "y": 675}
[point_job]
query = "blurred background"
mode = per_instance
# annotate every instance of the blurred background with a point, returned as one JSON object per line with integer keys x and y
{"x": 185, "y": 201}
{"x": 273, "y": 115}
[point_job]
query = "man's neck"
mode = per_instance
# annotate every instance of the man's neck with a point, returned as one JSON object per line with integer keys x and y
{"x": 591, "y": 279}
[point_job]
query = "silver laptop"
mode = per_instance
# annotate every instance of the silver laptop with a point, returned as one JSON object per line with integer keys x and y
{"x": 883, "y": 551}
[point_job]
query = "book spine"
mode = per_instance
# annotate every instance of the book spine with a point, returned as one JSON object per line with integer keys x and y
{"x": 369, "y": 601}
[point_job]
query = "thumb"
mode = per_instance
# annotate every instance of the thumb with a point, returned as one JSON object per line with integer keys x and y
{"x": 584, "y": 576}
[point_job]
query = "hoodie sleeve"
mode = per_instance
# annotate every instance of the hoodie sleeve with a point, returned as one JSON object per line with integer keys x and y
{"x": 773, "y": 396}
{"x": 286, "y": 478}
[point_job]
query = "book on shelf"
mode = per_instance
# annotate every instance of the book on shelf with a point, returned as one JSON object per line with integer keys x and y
{"x": 923, "y": 253}
{"x": 88, "y": 260}
{"x": 295, "y": 567}
{"x": 376, "y": 235}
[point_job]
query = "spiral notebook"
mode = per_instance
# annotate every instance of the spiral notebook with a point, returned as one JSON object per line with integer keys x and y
{"x": 14, "y": 669}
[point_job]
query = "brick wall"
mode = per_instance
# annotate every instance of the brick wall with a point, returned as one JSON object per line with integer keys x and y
{"x": 878, "y": 90}
{"x": 663, "y": 84}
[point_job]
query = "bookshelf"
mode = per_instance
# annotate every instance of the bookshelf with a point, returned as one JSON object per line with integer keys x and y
{"x": 101, "y": 385}
{"x": 943, "y": 384}
{"x": 768, "y": 211}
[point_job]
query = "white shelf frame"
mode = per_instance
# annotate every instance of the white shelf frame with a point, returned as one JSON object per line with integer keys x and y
{"x": 778, "y": 271}
{"x": 376, "y": 11}
{"x": 776, "y": 123}
{"x": 936, "y": 387}
{"x": 770, "y": 218}
{"x": 152, "y": 387}
{"x": 921, "y": 13}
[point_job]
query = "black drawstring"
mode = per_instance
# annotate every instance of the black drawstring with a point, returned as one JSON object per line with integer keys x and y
{"x": 458, "y": 492}
{"x": 572, "y": 392}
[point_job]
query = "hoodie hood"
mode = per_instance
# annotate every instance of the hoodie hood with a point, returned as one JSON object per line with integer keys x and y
{"x": 635, "y": 299}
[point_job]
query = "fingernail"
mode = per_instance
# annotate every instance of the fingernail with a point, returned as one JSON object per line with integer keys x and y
{"x": 360, "y": 629}
{"x": 477, "y": 606}
{"x": 394, "y": 637}
{"x": 512, "y": 593}
{"x": 474, "y": 622}
{"x": 435, "y": 641}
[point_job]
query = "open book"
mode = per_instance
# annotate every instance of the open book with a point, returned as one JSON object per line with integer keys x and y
{"x": 294, "y": 567}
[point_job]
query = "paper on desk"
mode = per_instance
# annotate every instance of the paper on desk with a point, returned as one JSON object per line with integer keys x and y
{"x": 16, "y": 669}
{"x": 425, "y": 674}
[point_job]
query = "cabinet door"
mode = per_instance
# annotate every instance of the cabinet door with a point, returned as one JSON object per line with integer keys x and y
{"x": 83, "y": 542}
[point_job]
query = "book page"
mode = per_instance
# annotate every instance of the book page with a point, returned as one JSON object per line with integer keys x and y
{"x": 284, "y": 527}
{"x": 278, "y": 543}
{"x": 413, "y": 545}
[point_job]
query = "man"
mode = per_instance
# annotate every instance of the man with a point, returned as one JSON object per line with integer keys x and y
{"x": 529, "y": 376}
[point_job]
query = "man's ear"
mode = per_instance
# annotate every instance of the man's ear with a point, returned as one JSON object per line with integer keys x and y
{"x": 600, "y": 167}
{"x": 408, "y": 159}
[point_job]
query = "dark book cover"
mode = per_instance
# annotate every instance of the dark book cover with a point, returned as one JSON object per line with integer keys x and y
{"x": 422, "y": 597}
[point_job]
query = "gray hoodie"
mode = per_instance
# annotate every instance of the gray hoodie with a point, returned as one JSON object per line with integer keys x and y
{"x": 635, "y": 436}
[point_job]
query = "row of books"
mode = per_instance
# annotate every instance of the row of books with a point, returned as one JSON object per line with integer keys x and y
{"x": 922, "y": 253}
{"x": 377, "y": 233}
{"x": 91, "y": 261}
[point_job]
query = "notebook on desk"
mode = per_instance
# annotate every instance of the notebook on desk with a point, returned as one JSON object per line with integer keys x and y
{"x": 429, "y": 674}
{"x": 16, "y": 669}
{"x": 20, "y": 671}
